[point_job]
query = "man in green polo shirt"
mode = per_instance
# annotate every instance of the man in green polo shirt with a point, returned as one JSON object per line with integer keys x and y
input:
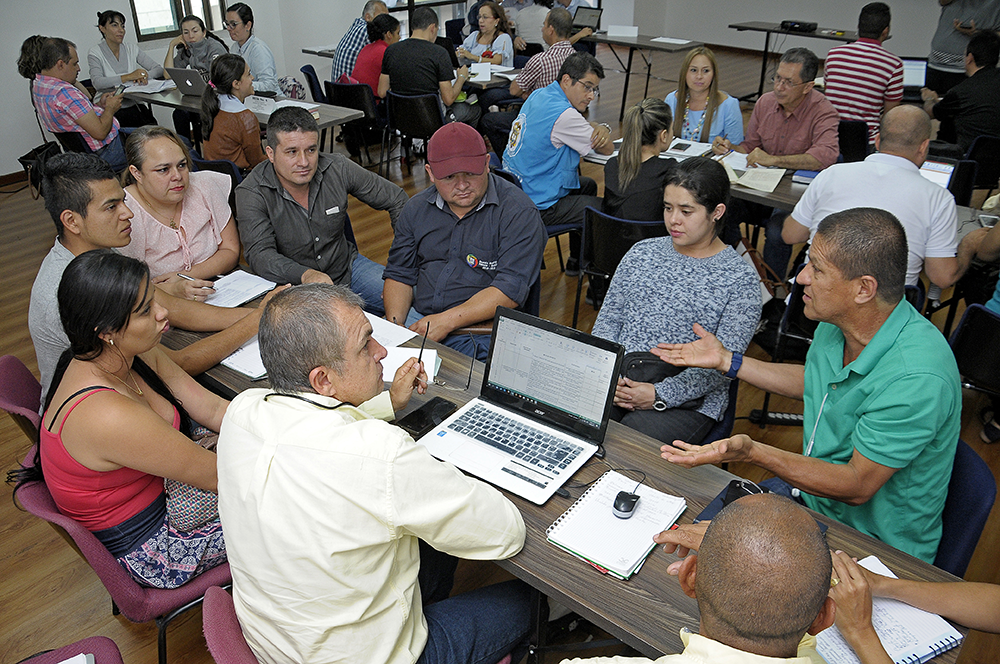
{"x": 881, "y": 389}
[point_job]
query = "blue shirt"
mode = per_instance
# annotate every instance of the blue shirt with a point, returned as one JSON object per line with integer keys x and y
{"x": 355, "y": 39}
{"x": 261, "y": 63}
{"x": 727, "y": 121}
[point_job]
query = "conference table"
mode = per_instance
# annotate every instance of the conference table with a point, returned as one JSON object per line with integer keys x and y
{"x": 647, "y": 611}
{"x": 329, "y": 116}
{"x": 835, "y": 34}
{"x": 639, "y": 43}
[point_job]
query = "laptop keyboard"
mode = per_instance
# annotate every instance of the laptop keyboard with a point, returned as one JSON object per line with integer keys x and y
{"x": 523, "y": 442}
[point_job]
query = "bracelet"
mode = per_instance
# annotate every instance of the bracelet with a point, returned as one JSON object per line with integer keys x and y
{"x": 734, "y": 366}
{"x": 606, "y": 126}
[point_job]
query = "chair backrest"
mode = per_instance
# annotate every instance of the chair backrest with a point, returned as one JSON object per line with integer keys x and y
{"x": 985, "y": 151}
{"x": 223, "y": 633}
{"x": 506, "y": 175}
{"x": 724, "y": 427}
{"x": 358, "y": 96}
{"x": 315, "y": 89}
{"x": 962, "y": 182}
{"x": 104, "y": 650}
{"x": 976, "y": 350}
{"x": 453, "y": 30}
{"x": 416, "y": 116}
{"x": 72, "y": 141}
{"x": 20, "y": 395}
{"x": 853, "y": 135}
{"x": 971, "y": 494}
{"x": 607, "y": 239}
{"x": 794, "y": 324}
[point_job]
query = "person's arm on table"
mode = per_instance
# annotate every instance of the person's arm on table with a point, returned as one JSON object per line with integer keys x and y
{"x": 481, "y": 306}
{"x": 600, "y": 140}
{"x": 807, "y": 162}
{"x": 585, "y": 32}
{"x": 853, "y": 597}
{"x": 198, "y": 316}
{"x": 987, "y": 243}
{"x": 450, "y": 90}
{"x": 397, "y": 298}
{"x": 975, "y": 605}
{"x": 176, "y": 286}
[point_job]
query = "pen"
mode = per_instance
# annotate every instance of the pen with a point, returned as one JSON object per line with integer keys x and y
{"x": 184, "y": 276}
{"x": 420, "y": 357}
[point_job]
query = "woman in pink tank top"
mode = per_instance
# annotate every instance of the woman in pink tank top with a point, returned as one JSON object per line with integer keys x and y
{"x": 113, "y": 427}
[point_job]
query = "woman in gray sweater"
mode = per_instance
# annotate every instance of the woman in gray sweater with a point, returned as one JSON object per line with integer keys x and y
{"x": 663, "y": 287}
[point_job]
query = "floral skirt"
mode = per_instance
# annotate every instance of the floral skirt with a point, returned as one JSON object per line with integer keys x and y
{"x": 171, "y": 558}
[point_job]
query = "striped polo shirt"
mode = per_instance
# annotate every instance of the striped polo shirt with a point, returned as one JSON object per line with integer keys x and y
{"x": 860, "y": 77}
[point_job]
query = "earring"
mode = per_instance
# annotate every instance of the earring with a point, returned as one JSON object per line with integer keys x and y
{"x": 110, "y": 341}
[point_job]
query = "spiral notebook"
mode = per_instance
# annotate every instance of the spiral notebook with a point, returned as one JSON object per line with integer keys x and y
{"x": 589, "y": 530}
{"x": 908, "y": 634}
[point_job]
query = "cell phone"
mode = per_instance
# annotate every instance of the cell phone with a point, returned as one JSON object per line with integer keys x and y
{"x": 988, "y": 220}
{"x": 428, "y": 416}
{"x": 120, "y": 89}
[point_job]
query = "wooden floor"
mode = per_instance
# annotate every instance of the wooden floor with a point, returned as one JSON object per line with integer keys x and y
{"x": 49, "y": 597}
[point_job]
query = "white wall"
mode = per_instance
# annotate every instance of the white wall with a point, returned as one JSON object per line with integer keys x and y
{"x": 913, "y": 21}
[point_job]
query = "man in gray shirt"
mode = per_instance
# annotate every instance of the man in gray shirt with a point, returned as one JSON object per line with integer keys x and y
{"x": 292, "y": 211}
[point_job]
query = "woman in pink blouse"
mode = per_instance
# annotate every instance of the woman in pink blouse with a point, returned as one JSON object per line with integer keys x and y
{"x": 182, "y": 223}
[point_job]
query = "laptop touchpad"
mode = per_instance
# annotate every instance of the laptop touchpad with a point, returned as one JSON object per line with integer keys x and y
{"x": 471, "y": 456}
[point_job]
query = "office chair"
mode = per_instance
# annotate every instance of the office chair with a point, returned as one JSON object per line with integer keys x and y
{"x": 962, "y": 182}
{"x": 359, "y": 96}
{"x": 976, "y": 350}
{"x": 985, "y": 151}
{"x": 971, "y": 493}
{"x": 316, "y": 90}
{"x": 223, "y": 633}
{"x": 413, "y": 116}
{"x": 104, "y": 650}
{"x": 20, "y": 395}
{"x": 605, "y": 242}
{"x": 853, "y": 137}
{"x": 72, "y": 141}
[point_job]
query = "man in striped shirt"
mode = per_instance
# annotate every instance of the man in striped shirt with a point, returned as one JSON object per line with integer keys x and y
{"x": 863, "y": 79}
{"x": 355, "y": 39}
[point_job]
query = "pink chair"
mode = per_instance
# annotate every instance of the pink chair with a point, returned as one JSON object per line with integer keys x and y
{"x": 20, "y": 395}
{"x": 135, "y": 602}
{"x": 223, "y": 633}
{"x": 102, "y": 648}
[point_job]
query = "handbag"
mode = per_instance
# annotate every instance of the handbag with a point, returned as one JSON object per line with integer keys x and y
{"x": 644, "y": 367}
{"x": 33, "y": 163}
{"x": 188, "y": 507}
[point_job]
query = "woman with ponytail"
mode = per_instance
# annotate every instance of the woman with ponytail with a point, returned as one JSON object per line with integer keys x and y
{"x": 633, "y": 181}
{"x": 230, "y": 129}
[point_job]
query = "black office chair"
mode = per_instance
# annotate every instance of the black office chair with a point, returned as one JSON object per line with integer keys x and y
{"x": 453, "y": 30}
{"x": 971, "y": 494}
{"x": 316, "y": 90}
{"x": 412, "y": 116}
{"x": 223, "y": 166}
{"x": 977, "y": 351}
{"x": 605, "y": 242}
{"x": 962, "y": 182}
{"x": 72, "y": 141}
{"x": 359, "y": 96}
{"x": 985, "y": 151}
{"x": 853, "y": 137}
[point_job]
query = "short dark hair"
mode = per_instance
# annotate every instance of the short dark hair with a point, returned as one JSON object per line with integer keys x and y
{"x": 289, "y": 119}
{"x": 804, "y": 57}
{"x": 243, "y": 11}
{"x": 423, "y": 18}
{"x": 579, "y": 65}
{"x": 873, "y": 20}
{"x": 299, "y": 332}
{"x": 561, "y": 22}
{"x": 984, "y": 47}
{"x": 53, "y": 50}
{"x": 868, "y": 241}
{"x": 706, "y": 180}
{"x": 382, "y": 25}
{"x": 67, "y": 183}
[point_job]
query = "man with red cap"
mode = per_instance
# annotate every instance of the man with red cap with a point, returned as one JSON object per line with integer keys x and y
{"x": 464, "y": 246}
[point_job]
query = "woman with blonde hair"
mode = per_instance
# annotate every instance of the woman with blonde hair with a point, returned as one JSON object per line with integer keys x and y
{"x": 701, "y": 110}
{"x": 633, "y": 181}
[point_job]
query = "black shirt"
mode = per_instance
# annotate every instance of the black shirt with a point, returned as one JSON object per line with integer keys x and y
{"x": 643, "y": 199}
{"x": 973, "y": 106}
{"x": 416, "y": 67}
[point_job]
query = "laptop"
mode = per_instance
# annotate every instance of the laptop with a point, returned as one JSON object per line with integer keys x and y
{"x": 914, "y": 78}
{"x": 587, "y": 17}
{"x": 938, "y": 170}
{"x": 189, "y": 81}
{"x": 449, "y": 46}
{"x": 542, "y": 411}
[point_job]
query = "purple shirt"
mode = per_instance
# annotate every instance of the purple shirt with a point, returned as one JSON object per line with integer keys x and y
{"x": 810, "y": 129}
{"x": 61, "y": 104}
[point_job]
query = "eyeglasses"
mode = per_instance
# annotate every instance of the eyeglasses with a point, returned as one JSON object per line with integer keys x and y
{"x": 782, "y": 82}
{"x": 472, "y": 366}
{"x": 591, "y": 89}
{"x": 485, "y": 17}
{"x": 232, "y": 24}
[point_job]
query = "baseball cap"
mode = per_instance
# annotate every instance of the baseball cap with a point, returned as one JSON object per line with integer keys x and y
{"x": 456, "y": 148}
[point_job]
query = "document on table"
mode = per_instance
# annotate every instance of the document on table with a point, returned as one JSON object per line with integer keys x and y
{"x": 760, "y": 178}
{"x": 480, "y": 72}
{"x": 908, "y": 634}
{"x": 670, "y": 40}
{"x": 238, "y": 287}
{"x": 397, "y": 356}
{"x": 388, "y": 333}
{"x": 247, "y": 360}
{"x": 683, "y": 149}
{"x": 152, "y": 86}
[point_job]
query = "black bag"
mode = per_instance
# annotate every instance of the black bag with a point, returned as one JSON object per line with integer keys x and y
{"x": 644, "y": 367}
{"x": 33, "y": 164}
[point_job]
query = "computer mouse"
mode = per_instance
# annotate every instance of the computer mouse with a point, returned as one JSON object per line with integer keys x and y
{"x": 624, "y": 506}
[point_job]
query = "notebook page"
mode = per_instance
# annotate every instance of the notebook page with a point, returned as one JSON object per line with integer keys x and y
{"x": 238, "y": 287}
{"x": 247, "y": 360}
{"x": 904, "y": 630}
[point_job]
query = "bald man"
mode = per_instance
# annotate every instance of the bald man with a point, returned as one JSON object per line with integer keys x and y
{"x": 890, "y": 179}
{"x": 761, "y": 578}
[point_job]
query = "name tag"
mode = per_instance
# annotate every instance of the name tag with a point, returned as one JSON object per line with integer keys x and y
{"x": 334, "y": 210}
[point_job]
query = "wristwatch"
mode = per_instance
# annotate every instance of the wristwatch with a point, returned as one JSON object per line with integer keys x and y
{"x": 659, "y": 406}
{"x": 735, "y": 365}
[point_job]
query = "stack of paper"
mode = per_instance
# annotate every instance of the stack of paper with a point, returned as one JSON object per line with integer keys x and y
{"x": 238, "y": 287}
{"x": 760, "y": 178}
{"x": 152, "y": 86}
{"x": 683, "y": 149}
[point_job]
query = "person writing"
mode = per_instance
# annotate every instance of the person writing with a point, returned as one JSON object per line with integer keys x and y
{"x": 113, "y": 63}
{"x": 661, "y": 285}
{"x": 113, "y": 426}
{"x": 182, "y": 220}
{"x": 704, "y": 112}
{"x": 231, "y": 130}
{"x": 633, "y": 179}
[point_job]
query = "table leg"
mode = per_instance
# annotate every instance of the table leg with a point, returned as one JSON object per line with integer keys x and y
{"x": 649, "y": 69}
{"x": 539, "y": 625}
{"x": 628, "y": 74}
{"x": 763, "y": 71}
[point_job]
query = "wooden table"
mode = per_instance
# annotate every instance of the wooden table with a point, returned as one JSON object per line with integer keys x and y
{"x": 329, "y": 116}
{"x": 836, "y": 34}
{"x": 648, "y": 611}
{"x": 640, "y": 43}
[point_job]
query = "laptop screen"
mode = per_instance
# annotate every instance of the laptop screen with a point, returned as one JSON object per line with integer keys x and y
{"x": 938, "y": 172}
{"x": 587, "y": 17}
{"x": 914, "y": 73}
{"x": 554, "y": 373}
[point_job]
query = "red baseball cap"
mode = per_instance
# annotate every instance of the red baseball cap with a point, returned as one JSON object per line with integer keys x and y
{"x": 456, "y": 148}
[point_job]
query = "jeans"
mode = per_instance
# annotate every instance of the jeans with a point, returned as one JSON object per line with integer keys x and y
{"x": 569, "y": 210}
{"x": 496, "y": 126}
{"x": 473, "y": 345}
{"x": 668, "y": 425}
{"x": 114, "y": 154}
{"x": 366, "y": 281}
{"x": 776, "y": 253}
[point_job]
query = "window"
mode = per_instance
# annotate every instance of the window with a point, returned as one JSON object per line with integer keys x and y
{"x": 157, "y": 19}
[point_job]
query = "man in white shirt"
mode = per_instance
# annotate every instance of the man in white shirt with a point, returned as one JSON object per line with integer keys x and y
{"x": 326, "y": 507}
{"x": 890, "y": 179}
